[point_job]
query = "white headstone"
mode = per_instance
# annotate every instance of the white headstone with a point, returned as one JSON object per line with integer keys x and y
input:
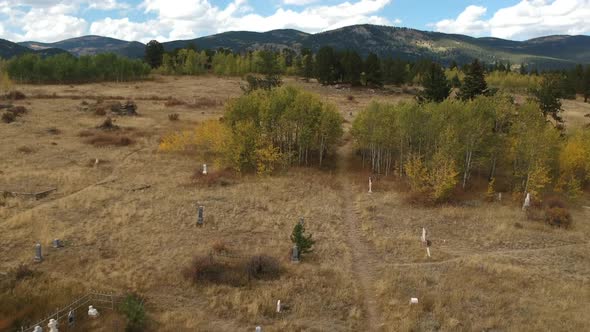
{"x": 52, "y": 325}
{"x": 204, "y": 169}
{"x": 423, "y": 237}
{"x": 499, "y": 197}
{"x": 414, "y": 300}
{"x": 279, "y": 306}
{"x": 92, "y": 312}
{"x": 527, "y": 202}
{"x": 295, "y": 254}
{"x": 370, "y": 185}
{"x": 258, "y": 329}
{"x": 428, "y": 251}
{"x": 38, "y": 329}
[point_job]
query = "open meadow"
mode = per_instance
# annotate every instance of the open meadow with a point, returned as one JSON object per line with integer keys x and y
{"x": 127, "y": 215}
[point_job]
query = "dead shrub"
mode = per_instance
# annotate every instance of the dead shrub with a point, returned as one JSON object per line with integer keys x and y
{"x": 234, "y": 271}
{"x": 173, "y": 116}
{"x": 26, "y": 149}
{"x": 225, "y": 177}
{"x": 53, "y": 131}
{"x": 22, "y": 271}
{"x": 264, "y": 267}
{"x": 108, "y": 125}
{"x": 555, "y": 202}
{"x": 559, "y": 217}
{"x": 18, "y": 110}
{"x": 100, "y": 111}
{"x": 104, "y": 139}
{"x": 174, "y": 102}
{"x": 15, "y": 95}
{"x": 350, "y": 98}
{"x": 8, "y": 117}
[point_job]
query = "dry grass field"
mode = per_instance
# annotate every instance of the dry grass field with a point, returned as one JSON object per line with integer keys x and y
{"x": 127, "y": 215}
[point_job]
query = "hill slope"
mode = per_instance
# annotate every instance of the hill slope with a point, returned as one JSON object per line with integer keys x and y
{"x": 386, "y": 41}
{"x": 89, "y": 45}
{"x": 9, "y": 49}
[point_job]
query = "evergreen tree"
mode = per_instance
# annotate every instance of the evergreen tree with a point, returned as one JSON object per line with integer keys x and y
{"x": 474, "y": 83}
{"x": 154, "y": 53}
{"x": 373, "y": 70}
{"x": 586, "y": 84}
{"x": 304, "y": 242}
{"x": 307, "y": 63}
{"x": 548, "y": 95}
{"x": 455, "y": 81}
{"x": 435, "y": 83}
{"x": 453, "y": 65}
{"x": 325, "y": 65}
{"x": 352, "y": 67}
{"x": 523, "y": 70}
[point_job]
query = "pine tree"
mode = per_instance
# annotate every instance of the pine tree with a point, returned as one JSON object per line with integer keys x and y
{"x": 325, "y": 65}
{"x": 474, "y": 83}
{"x": 435, "y": 83}
{"x": 307, "y": 63}
{"x": 154, "y": 52}
{"x": 373, "y": 70}
{"x": 304, "y": 242}
{"x": 548, "y": 95}
{"x": 586, "y": 84}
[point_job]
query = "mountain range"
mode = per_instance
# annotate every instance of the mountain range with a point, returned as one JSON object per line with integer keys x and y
{"x": 546, "y": 52}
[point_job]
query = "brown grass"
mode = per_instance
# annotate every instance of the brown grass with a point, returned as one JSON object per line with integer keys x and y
{"x": 491, "y": 269}
{"x": 109, "y": 139}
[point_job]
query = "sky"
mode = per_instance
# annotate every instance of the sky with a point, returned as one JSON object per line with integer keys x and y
{"x": 164, "y": 20}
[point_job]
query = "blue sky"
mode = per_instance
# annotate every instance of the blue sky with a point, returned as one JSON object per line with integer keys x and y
{"x": 143, "y": 20}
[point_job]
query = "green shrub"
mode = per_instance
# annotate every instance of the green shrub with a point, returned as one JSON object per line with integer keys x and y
{"x": 134, "y": 310}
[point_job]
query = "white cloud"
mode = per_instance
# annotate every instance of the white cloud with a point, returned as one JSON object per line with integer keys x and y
{"x": 527, "y": 19}
{"x": 187, "y": 20}
{"x": 299, "y": 2}
{"x": 106, "y": 5}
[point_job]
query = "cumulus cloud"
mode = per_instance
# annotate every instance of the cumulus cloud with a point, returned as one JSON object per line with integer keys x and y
{"x": 206, "y": 18}
{"x": 527, "y": 19}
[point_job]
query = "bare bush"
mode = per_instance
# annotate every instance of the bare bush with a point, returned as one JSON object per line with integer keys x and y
{"x": 173, "y": 116}
{"x": 8, "y": 117}
{"x": 15, "y": 95}
{"x": 559, "y": 217}
{"x": 108, "y": 125}
{"x": 174, "y": 102}
{"x": 264, "y": 267}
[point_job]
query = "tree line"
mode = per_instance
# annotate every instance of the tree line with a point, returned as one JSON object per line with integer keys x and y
{"x": 438, "y": 146}
{"x": 66, "y": 68}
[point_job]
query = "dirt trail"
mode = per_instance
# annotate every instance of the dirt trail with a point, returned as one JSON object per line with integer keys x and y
{"x": 363, "y": 261}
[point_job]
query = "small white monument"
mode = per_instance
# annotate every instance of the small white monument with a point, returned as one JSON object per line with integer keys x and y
{"x": 423, "y": 237}
{"x": 428, "y": 251}
{"x": 370, "y": 185}
{"x": 527, "y": 202}
{"x": 414, "y": 300}
{"x": 38, "y": 329}
{"x": 38, "y": 253}
{"x": 258, "y": 329}
{"x": 52, "y": 325}
{"x": 92, "y": 312}
{"x": 204, "y": 169}
{"x": 279, "y": 306}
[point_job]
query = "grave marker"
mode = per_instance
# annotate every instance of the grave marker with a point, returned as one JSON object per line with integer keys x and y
{"x": 295, "y": 254}
{"x": 279, "y": 306}
{"x": 38, "y": 253}
{"x": 204, "y": 169}
{"x": 527, "y": 202}
{"x": 92, "y": 312}
{"x": 52, "y": 325}
{"x": 200, "y": 220}
{"x": 370, "y": 185}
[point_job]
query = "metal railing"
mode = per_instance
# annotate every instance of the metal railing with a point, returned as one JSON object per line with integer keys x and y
{"x": 96, "y": 299}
